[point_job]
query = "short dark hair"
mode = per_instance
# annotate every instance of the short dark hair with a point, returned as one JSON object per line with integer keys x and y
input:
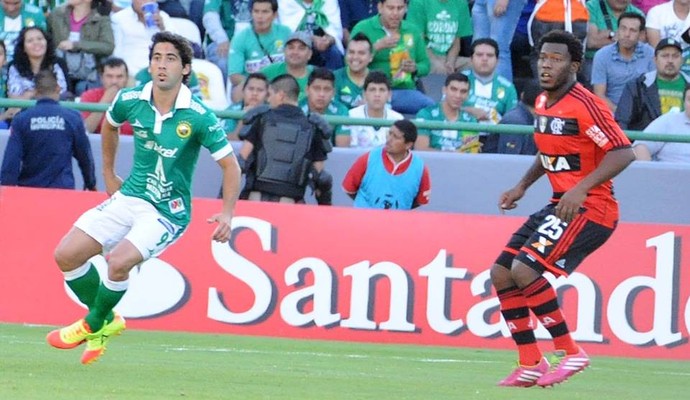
{"x": 321, "y": 73}
{"x": 274, "y": 4}
{"x": 377, "y": 77}
{"x": 558, "y": 36}
{"x": 182, "y": 46}
{"x": 487, "y": 41}
{"x": 383, "y": 1}
{"x": 408, "y": 129}
{"x": 255, "y": 75}
{"x": 112, "y": 62}
{"x": 360, "y": 37}
{"x": 633, "y": 15}
{"x": 45, "y": 82}
{"x": 456, "y": 76}
{"x": 287, "y": 84}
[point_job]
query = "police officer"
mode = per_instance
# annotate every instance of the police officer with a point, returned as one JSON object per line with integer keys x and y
{"x": 43, "y": 140}
{"x": 284, "y": 150}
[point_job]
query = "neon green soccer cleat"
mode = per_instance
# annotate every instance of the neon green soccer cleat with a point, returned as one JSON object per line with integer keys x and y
{"x": 70, "y": 336}
{"x": 96, "y": 343}
{"x": 95, "y": 347}
{"x": 115, "y": 327}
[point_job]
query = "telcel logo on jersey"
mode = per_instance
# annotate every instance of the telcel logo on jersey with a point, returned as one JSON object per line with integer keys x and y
{"x": 168, "y": 153}
{"x": 184, "y": 129}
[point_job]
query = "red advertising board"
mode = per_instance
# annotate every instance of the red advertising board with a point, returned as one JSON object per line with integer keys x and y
{"x": 358, "y": 275}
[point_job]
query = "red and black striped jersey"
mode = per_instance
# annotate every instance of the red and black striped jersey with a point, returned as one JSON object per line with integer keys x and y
{"x": 573, "y": 135}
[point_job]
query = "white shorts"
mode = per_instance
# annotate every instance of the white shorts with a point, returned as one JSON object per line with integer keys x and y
{"x": 137, "y": 220}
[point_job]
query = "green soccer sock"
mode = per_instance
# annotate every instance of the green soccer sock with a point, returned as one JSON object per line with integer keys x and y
{"x": 85, "y": 285}
{"x": 106, "y": 299}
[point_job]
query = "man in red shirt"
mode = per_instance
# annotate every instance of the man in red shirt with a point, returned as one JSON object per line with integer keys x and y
{"x": 390, "y": 176}
{"x": 114, "y": 77}
{"x": 581, "y": 149}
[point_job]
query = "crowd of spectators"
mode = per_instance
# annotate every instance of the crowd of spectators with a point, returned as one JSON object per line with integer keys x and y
{"x": 362, "y": 58}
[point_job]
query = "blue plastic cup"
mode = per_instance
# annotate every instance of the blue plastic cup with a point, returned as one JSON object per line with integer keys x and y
{"x": 149, "y": 10}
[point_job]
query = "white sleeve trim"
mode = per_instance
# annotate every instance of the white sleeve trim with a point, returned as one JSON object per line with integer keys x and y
{"x": 224, "y": 151}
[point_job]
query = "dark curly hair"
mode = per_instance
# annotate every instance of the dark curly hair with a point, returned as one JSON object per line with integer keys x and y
{"x": 182, "y": 46}
{"x": 575, "y": 48}
{"x": 21, "y": 59}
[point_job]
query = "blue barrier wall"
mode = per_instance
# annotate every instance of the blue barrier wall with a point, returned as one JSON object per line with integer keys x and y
{"x": 471, "y": 183}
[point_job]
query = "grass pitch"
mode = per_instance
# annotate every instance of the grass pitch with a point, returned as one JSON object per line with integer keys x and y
{"x": 163, "y": 365}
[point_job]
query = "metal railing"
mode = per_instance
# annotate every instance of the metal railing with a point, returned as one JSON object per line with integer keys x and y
{"x": 338, "y": 120}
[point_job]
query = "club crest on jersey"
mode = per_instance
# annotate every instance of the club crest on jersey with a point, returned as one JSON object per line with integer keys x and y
{"x": 557, "y": 125}
{"x": 176, "y": 205}
{"x": 184, "y": 129}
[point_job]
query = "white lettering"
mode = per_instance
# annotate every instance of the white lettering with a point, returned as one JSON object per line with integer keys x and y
{"x": 320, "y": 294}
{"x": 54, "y": 122}
{"x": 439, "y": 297}
{"x": 244, "y": 270}
{"x": 665, "y": 289}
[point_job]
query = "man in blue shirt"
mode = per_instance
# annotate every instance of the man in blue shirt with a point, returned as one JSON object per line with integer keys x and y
{"x": 43, "y": 140}
{"x": 618, "y": 62}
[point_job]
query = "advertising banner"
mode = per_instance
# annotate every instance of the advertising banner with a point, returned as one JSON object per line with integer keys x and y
{"x": 358, "y": 275}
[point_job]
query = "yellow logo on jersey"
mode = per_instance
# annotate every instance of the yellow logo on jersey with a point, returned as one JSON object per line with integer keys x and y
{"x": 184, "y": 129}
{"x": 500, "y": 93}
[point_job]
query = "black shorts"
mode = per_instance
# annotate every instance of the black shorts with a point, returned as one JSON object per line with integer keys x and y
{"x": 544, "y": 242}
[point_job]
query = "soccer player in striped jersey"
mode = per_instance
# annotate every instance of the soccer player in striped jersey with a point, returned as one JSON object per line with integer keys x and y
{"x": 581, "y": 148}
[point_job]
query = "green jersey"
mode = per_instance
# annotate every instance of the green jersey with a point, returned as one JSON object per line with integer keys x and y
{"x": 29, "y": 15}
{"x": 671, "y": 94}
{"x": 346, "y": 91}
{"x": 230, "y": 124}
{"x": 334, "y": 108}
{"x": 449, "y": 139}
{"x": 440, "y": 21}
{"x": 496, "y": 97}
{"x": 249, "y": 51}
{"x": 275, "y": 70}
{"x": 224, "y": 10}
{"x": 166, "y": 147}
{"x": 598, "y": 19}
{"x": 410, "y": 46}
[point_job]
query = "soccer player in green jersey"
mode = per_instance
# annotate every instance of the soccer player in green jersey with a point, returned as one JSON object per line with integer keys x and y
{"x": 151, "y": 209}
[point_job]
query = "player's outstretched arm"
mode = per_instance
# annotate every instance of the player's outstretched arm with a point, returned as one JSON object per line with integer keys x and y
{"x": 231, "y": 190}
{"x": 110, "y": 139}
{"x": 611, "y": 165}
{"x": 508, "y": 200}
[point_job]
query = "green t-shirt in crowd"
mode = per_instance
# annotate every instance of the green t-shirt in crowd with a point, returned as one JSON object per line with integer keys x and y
{"x": 334, "y": 108}
{"x": 440, "y": 22}
{"x": 224, "y": 10}
{"x": 448, "y": 139}
{"x": 503, "y": 97}
{"x": 30, "y": 15}
{"x": 166, "y": 147}
{"x": 411, "y": 45}
{"x": 275, "y": 70}
{"x": 346, "y": 91}
{"x": 671, "y": 94}
{"x": 248, "y": 55}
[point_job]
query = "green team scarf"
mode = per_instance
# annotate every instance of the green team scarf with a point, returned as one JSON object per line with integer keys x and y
{"x": 316, "y": 10}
